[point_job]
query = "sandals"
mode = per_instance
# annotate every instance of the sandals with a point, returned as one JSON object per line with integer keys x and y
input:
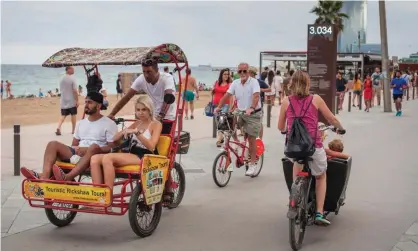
{"x": 58, "y": 132}
{"x": 29, "y": 174}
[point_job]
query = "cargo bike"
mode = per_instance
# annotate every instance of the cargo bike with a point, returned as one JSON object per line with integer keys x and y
{"x": 144, "y": 188}
{"x": 302, "y": 199}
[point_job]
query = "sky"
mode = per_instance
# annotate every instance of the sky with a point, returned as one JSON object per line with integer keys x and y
{"x": 219, "y": 33}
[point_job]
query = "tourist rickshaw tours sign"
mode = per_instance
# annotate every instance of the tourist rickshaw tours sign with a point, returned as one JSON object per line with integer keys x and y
{"x": 67, "y": 192}
{"x": 153, "y": 177}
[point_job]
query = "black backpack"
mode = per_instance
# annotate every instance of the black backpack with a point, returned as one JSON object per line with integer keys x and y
{"x": 299, "y": 144}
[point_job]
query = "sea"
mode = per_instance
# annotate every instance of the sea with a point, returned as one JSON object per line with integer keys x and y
{"x": 28, "y": 79}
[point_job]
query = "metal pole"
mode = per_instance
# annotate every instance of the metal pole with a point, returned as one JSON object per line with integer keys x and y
{"x": 261, "y": 62}
{"x": 16, "y": 138}
{"x": 268, "y": 112}
{"x": 349, "y": 102}
{"x": 407, "y": 94}
{"x": 360, "y": 98}
{"x": 338, "y": 104}
{"x": 385, "y": 56}
{"x": 213, "y": 127}
{"x": 413, "y": 92}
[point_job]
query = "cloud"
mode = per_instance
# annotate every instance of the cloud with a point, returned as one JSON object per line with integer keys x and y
{"x": 220, "y": 33}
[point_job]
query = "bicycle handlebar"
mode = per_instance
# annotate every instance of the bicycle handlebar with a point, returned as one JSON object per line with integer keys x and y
{"x": 332, "y": 128}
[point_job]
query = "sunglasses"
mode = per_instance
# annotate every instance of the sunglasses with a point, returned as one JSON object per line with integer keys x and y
{"x": 242, "y": 71}
{"x": 148, "y": 62}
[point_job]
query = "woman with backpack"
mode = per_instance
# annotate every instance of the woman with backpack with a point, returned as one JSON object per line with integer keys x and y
{"x": 300, "y": 109}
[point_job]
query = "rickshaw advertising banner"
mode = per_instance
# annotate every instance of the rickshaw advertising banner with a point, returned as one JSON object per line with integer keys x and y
{"x": 153, "y": 177}
{"x": 70, "y": 193}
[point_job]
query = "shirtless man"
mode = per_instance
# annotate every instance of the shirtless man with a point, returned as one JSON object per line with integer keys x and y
{"x": 188, "y": 93}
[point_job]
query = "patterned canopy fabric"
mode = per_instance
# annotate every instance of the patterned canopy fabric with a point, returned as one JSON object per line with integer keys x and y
{"x": 117, "y": 56}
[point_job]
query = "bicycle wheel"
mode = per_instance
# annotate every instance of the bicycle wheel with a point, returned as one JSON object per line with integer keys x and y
{"x": 218, "y": 169}
{"x": 297, "y": 213}
{"x": 179, "y": 178}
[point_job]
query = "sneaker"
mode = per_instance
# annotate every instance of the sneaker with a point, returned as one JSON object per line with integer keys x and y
{"x": 321, "y": 220}
{"x": 58, "y": 173}
{"x": 397, "y": 113}
{"x": 251, "y": 170}
{"x": 400, "y": 113}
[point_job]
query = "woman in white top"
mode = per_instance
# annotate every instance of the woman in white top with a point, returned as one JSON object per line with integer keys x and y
{"x": 270, "y": 96}
{"x": 145, "y": 131}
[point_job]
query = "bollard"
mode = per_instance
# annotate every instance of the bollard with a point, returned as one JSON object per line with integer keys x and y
{"x": 407, "y": 94}
{"x": 413, "y": 92}
{"x": 16, "y": 140}
{"x": 360, "y": 101}
{"x": 349, "y": 102}
{"x": 213, "y": 127}
{"x": 337, "y": 102}
{"x": 268, "y": 112}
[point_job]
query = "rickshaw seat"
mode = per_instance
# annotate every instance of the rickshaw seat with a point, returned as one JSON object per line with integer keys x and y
{"x": 163, "y": 147}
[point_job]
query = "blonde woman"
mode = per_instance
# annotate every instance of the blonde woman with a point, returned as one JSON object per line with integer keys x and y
{"x": 306, "y": 106}
{"x": 145, "y": 131}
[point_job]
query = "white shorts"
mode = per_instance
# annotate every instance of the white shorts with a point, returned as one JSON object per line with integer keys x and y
{"x": 319, "y": 163}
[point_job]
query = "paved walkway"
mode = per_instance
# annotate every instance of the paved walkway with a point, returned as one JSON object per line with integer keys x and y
{"x": 248, "y": 213}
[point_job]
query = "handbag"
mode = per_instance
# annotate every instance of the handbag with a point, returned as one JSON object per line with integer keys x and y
{"x": 209, "y": 108}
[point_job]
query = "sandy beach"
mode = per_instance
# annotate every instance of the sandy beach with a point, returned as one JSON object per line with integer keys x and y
{"x": 37, "y": 111}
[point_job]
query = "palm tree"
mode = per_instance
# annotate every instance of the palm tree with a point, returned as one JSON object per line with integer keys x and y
{"x": 329, "y": 12}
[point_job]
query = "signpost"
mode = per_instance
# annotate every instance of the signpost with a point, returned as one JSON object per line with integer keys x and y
{"x": 322, "y": 63}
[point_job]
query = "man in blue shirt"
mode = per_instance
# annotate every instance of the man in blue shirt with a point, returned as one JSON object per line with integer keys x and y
{"x": 398, "y": 85}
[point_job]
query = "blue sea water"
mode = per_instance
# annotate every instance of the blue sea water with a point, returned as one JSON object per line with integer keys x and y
{"x": 27, "y": 79}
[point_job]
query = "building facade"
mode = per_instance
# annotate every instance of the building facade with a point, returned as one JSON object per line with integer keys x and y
{"x": 354, "y": 27}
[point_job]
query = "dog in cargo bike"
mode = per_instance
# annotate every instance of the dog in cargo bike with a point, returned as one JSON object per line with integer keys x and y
{"x": 308, "y": 178}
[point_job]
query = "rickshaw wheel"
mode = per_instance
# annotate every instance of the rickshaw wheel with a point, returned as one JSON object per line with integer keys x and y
{"x": 68, "y": 218}
{"x": 138, "y": 211}
{"x": 176, "y": 199}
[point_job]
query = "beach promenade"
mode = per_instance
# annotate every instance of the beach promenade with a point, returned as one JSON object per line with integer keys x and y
{"x": 381, "y": 211}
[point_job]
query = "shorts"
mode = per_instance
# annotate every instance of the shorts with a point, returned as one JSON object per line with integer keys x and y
{"x": 396, "y": 96}
{"x": 119, "y": 91}
{"x": 251, "y": 123}
{"x": 72, "y": 152}
{"x": 319, "y": 163}
{"x": 167, "y": 125}
{"x": 357, "y": 92}
{"x": 69, "y": 111}
{"x": 140, "y": 152}
{"x": 188, "y": 95}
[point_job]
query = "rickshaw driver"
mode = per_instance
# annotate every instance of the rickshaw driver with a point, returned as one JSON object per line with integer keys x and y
{"x": 161, "y": 89}
{"x": 92, "y": 135}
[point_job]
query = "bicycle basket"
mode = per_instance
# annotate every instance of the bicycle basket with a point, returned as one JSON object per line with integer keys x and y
{"x": 224, "y": 122}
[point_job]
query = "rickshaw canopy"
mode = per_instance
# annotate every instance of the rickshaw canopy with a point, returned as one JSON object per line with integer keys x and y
{"x": 164, "y": 53}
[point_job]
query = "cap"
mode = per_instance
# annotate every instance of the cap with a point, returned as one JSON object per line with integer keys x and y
{"x": 96, "y": 97}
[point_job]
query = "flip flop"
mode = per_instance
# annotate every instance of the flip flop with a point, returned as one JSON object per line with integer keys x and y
{"x": 58, "y": 173}
{"x": 29, "y": 173}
